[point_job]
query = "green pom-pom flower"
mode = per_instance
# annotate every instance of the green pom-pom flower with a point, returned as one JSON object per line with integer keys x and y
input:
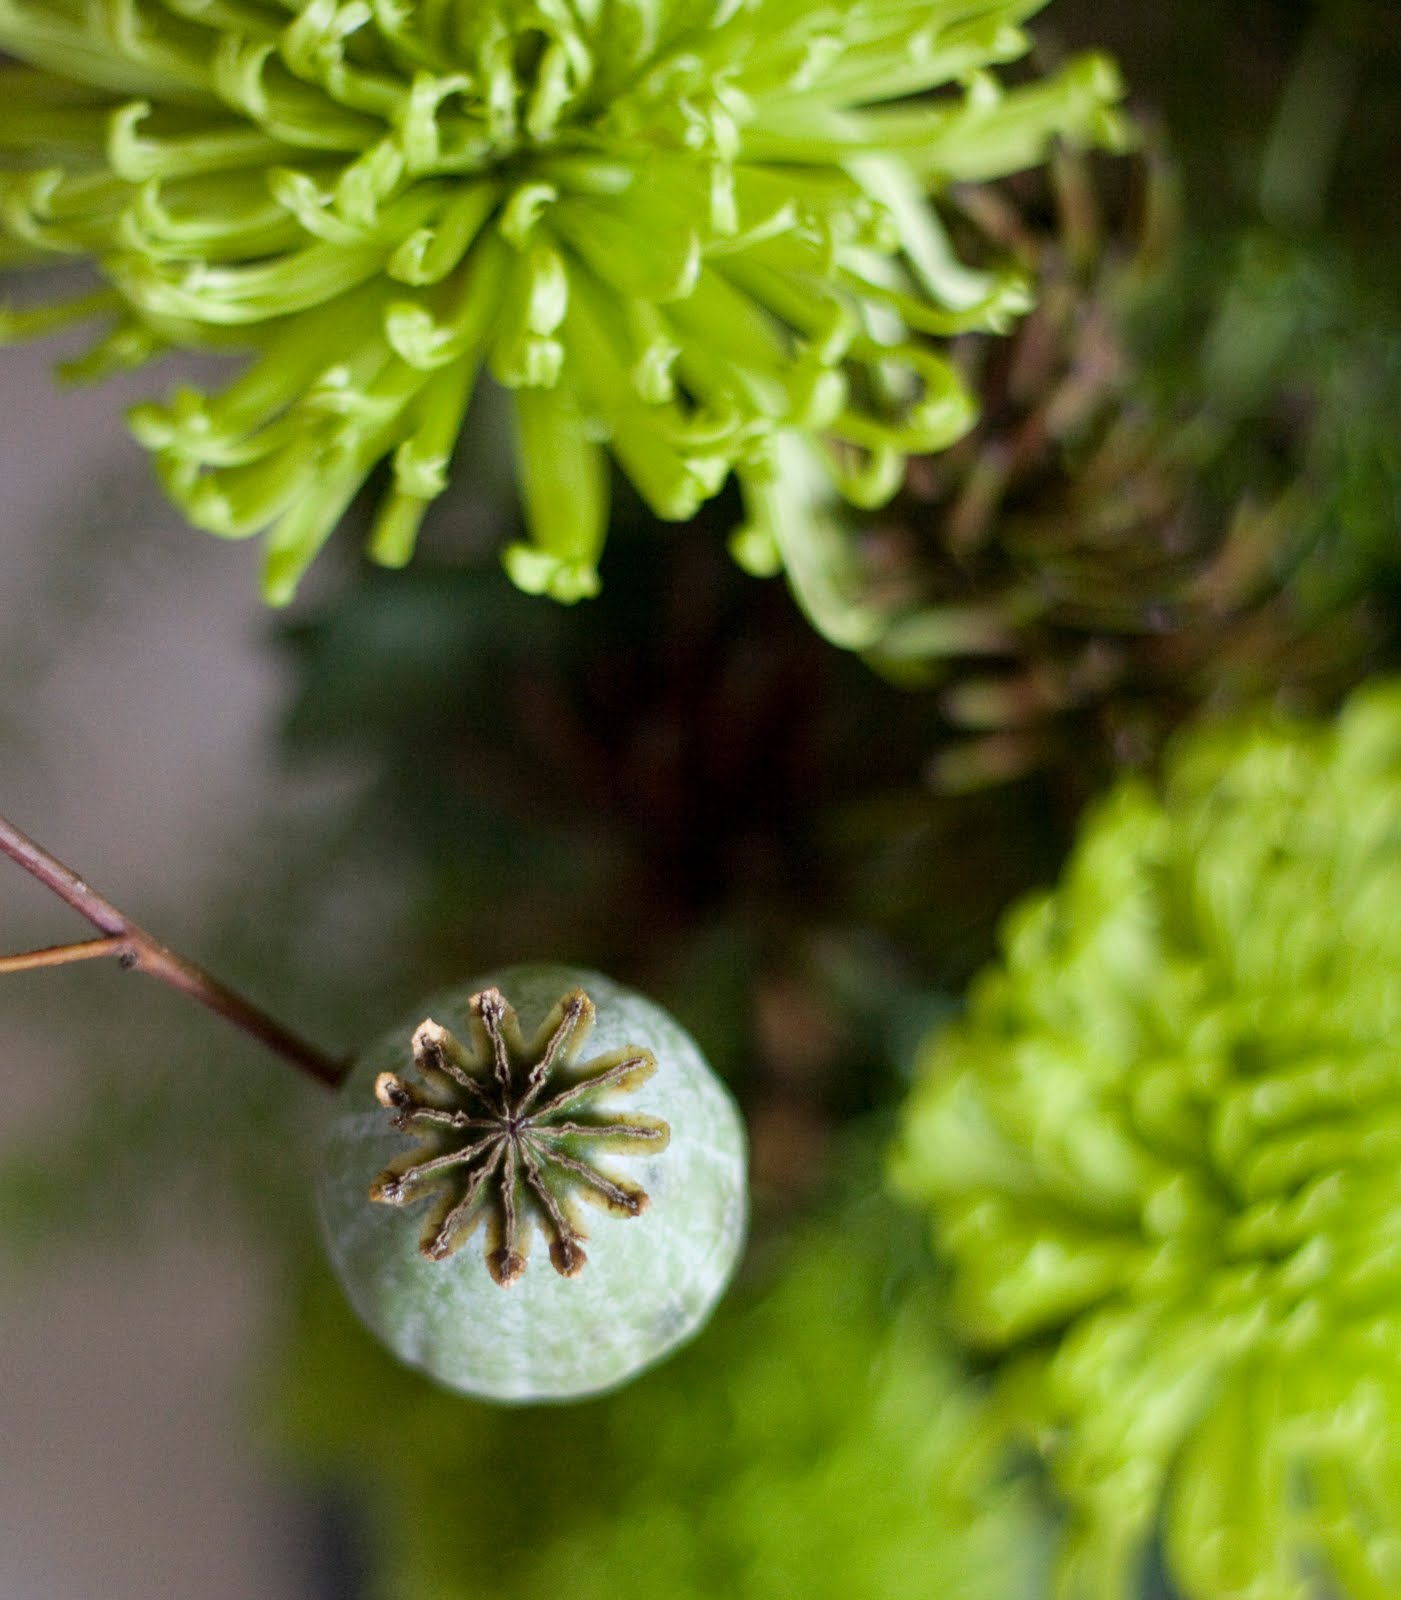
{"x": 676, "y": 229}
{"x": 1163, "y": 1154}
{"x": 820, "y": 1440}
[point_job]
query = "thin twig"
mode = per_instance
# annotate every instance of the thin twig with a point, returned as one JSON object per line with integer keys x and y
{"x": 60, "y": 955}
{"x": 139, "y": 951}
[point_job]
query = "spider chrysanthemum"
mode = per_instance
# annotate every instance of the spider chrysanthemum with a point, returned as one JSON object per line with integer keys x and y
{"x": 508, "y": 1133}
{"x": 679, "y": 231}
{"x": 1162, "y": 1152}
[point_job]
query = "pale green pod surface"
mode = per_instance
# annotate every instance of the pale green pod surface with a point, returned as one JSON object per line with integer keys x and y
{"x": 594, "y": 1246}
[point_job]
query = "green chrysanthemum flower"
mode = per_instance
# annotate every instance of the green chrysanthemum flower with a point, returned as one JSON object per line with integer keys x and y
{"x": 1163, "y": 1153}
{"x": 674, "y": 228}
{"x": 819, "y": 1441}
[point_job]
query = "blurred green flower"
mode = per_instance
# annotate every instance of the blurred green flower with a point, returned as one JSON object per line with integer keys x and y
{"x": 818, "y": 1440}
{"x": 676, "y": 229}
{"x": 1163, "y": 1154}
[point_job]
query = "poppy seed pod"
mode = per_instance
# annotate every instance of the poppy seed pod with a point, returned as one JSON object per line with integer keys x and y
{"x": 549, "y": 1195}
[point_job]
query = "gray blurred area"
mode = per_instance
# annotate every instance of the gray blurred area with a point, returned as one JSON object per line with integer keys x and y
{"x": 137, "y": 699}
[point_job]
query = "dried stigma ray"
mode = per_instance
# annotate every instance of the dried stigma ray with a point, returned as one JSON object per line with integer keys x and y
{"x": 682, "y": 232}
{"x": 508, "y": 1133}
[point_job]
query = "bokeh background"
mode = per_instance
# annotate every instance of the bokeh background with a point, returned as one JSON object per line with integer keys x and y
{"x": 137, "y": 705}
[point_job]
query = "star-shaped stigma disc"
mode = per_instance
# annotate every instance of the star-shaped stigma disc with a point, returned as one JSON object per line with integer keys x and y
{"x": 509, "y": 1133}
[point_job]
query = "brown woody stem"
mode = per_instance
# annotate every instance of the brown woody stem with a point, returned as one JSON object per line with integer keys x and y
{"x": 136, "y": 949}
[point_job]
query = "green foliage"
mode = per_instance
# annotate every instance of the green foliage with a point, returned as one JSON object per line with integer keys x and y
{"x": 1279, "y": 360}
{"x": 676, "y": 230}
{"x": 817, "y": 1440}
{"x": 1183, "y": 487}
{"x": 1163, "y": 1154}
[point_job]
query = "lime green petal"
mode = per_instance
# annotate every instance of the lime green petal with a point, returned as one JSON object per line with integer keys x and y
{"x": 626, "y": 249}
{"x": 458, "y": 328}
{"x": 46, "y": 116}
{"x": 564, "y": 477}
{"x": 296, "y": 538}
{"x": 524, "y": 352}
{"x": 947, "y": 53}
{"x": 46, "y": 210}
{"x": 537, "y": 571}
{"x": 137, "y": 157}
{"x": 922, "y": 237}
{"x": 236, "y": 296}
{"x": 1009, "y": 295}
{"x": 171, "y": 221}
{"x": 98, "y": 47}
{"x": 430, "y": 253}
{"x": 1232, "y": 1497}
{"x": 249, "y": 76}
{"x": 238, "y": 502}
{"x": 395, "y": 531}
{"x": 1006, "y": 131}
{"x": 37, "y": 322}
{"x": 790, "y": 510}
{"x": 130, "y": 344}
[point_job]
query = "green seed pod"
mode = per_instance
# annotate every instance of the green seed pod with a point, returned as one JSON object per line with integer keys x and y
{"x": 509, "y": 1103}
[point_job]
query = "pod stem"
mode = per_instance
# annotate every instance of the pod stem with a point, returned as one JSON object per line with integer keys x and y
{"x": 138, "y": 951}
